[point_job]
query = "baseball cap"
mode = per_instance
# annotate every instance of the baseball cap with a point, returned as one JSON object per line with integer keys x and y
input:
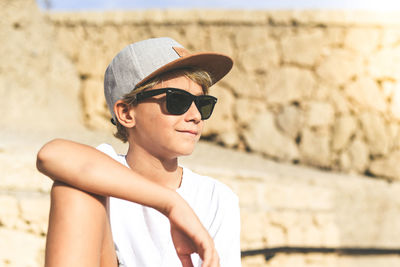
{"x": 139, "y": 62}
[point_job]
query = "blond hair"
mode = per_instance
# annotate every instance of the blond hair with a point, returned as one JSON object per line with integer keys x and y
{"x": 199, "y": 76}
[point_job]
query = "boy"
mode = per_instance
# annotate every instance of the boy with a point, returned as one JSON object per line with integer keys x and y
{"x": 143, "y": 208}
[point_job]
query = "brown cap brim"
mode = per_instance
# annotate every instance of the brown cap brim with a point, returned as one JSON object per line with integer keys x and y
{"x": 216, "y": 64}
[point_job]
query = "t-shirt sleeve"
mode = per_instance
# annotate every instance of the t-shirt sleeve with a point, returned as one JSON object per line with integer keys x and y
{"x": 109, "y": 150}
{"x": 227, "y": 236}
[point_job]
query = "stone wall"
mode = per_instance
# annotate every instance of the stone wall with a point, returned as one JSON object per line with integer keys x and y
{"x": 50, "y": 61}
{"x": 30, "y": 69}
{"x": 314, "y": 88}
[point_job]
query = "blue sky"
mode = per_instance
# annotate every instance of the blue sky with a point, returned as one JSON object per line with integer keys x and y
{"x": 381, "y": 5}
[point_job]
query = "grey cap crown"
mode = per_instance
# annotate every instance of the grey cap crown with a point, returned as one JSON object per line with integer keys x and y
{"x": 135, "y": 62}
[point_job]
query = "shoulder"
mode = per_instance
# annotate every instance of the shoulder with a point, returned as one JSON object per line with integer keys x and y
{"x": 110, "y": 151}
{"x": 208, "y": 187}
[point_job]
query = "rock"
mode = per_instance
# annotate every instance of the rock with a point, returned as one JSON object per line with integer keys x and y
{"x": 388, "y": 88}
{"x": 263, "y": 136}
{"x": 387, "y": 167}
{"x": 344, "y": 128}
{"x": 385, "y": 63}
{"x": 195, "y": 38}
{"x": 257, "y": 58}
{"x": 335, "y": 36}
{"x": 290, "y": 120}
{"x": 359, "y": 156}
{"x": 246, "y": 109}
{"x": 339, "y": 66}
{"x": 221, "y": 42}
{"x": 361, "y": 40}
{"x": 244, "y": 85}
{"x": 97, "y": 115}
{"x": 394, "y": 132}
{"x": 296, "y": 47}
{"x": 15, "y": 242}
{"x": 319, "y": 114}
{"x": 35, "y": 214}
{"x": 315, "y": 149}
{"x": 390, "y": 37}
{"x": 395, "y": 103}
{"x": 375, "y": 132}
{"x": 365, "y": 92}
{"x": 9, "y": 211}
{"x": 37, "y": 78}
{"x": 222, "y": 123}
{"x": 288, "y": 84}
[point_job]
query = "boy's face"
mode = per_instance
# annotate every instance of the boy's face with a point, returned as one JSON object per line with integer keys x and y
{"x": 162, "y": 134}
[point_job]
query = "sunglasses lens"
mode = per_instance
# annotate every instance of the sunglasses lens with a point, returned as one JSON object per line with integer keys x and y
{"x": 178, "y": 102}
{"x": 205, "y": 104}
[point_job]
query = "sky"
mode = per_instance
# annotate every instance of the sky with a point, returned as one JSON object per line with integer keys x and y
{"x": 377, "y": 5}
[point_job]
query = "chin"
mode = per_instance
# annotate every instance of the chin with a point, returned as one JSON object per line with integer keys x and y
{"x": 186, "y": 149}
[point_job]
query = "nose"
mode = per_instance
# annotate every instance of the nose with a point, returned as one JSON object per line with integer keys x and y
{"x": 193, "y": 114}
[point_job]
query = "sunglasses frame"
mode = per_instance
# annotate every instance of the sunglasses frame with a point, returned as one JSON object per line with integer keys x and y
{"x": 170, "y": 90}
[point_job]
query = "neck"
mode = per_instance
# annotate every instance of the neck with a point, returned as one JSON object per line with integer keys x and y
{"x": 164, "y": 172}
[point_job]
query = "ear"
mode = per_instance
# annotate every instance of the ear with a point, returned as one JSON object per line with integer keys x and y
{"x": 125, "y": 114}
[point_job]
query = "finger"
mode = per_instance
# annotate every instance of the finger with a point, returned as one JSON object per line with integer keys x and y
{"x": 211, "y": 259}
{"x": 186, "y": 260}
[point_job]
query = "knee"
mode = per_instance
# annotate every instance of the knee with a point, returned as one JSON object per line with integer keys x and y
{"x": 65, "y": 196}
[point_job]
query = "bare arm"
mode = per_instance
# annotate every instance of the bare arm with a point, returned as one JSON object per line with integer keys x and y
{"x": 88, "y": 169}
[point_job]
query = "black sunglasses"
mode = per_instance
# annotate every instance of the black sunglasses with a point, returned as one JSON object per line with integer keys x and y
{"x": 179, "y": 101}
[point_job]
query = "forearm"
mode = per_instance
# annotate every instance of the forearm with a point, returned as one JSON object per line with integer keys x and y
{"x": 88, "y": 169}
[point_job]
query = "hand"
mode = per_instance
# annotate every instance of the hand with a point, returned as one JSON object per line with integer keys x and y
{"x": 189, "y": 236}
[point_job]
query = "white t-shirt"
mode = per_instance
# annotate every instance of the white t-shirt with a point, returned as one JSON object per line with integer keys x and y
{"x": 142, "y": 235}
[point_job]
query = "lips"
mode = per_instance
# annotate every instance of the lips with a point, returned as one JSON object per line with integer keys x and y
{"x": 193, "y": 132}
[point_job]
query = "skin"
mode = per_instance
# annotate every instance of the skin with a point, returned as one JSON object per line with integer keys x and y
{"x": 156, "y": 140}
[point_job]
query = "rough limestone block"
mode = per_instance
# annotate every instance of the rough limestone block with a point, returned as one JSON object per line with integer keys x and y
{"x": 338, "y": 100}
{"x": 390, "y": 36}
{"x": 245, "y": 85}
{"x": 195, "y": 38}
{"x": 339, "y": 66}
{"x": 362, "y": 40}
{"x": 289, "y": 84}
{"x": 254, "y": 261}
{"x": 35, "y": 213}
{"x": 263, "y": 128}
{"x": 97, "y": 115}
{"x": 366, "y": 93}
{"x": 375, "y": 130}
{"x": 315, "y": 148}
{"x": 252, "y": 223}
{"x": 388, "y": 166}
{"x": 335, "y": 36}
{"x": 90, "y": 61}
{"x": 222, "y": 40}
{"x": 385, "y": 63}
{"x": 358, "y": 153}
{"x": 259, "y": 58}
{"x": 296, "y": 47}
{"x": 19, "y": 249}
{"x": 290, "y": 120}
{"x": 245, "y": 110}
{"x": 222, "y": 123}
{"x": 36, "y": 76}
{"x": 319, "y": 114}
{"x": 298, "y": 196}
{"x": 395, "y": 103}
{"x": 394, "y": 132}
{"x": 18, "y": 172}
{"x": 344, "y": 128}
{"x": 9, "y": 212}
